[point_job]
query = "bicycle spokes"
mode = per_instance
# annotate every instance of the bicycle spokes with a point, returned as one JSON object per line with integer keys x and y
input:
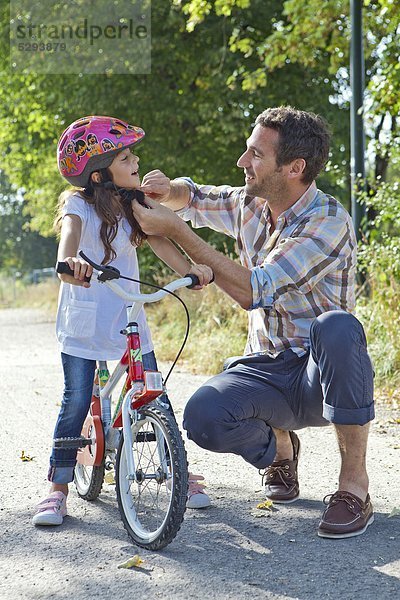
{"x": 153, "y": 501}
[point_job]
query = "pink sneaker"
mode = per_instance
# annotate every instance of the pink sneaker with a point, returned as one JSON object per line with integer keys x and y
{"x": 197, "y": 497}
{"x": 52, "y": 510}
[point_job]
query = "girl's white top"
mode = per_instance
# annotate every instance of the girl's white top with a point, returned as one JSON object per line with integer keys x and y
{"x": 89, "y": 320}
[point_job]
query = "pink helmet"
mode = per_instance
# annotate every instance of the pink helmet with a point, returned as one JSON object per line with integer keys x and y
{"x": 90, "y": 144}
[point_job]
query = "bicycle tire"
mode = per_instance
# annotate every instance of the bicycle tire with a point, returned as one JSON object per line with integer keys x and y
{"x": 89, "y": 479}
{"x": 152, "y": 507}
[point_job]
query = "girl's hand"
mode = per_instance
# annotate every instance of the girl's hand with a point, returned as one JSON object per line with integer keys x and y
{"x": 204, "y": 274}
{"x": 81, "y": 270}
{"x": 156, "y": 185}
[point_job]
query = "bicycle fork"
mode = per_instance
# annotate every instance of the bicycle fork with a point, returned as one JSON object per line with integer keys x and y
{"x": 146, "y": 386}
{"x": 129, "y": 418}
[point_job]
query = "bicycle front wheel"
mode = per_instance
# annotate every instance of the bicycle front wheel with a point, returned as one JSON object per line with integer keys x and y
{"x": 153, "y": 503}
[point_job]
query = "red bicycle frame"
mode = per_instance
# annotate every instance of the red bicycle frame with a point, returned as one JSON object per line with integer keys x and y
{"x": 149, "y": 386}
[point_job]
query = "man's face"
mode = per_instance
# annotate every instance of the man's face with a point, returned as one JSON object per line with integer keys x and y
{"x": 263, "y": 178}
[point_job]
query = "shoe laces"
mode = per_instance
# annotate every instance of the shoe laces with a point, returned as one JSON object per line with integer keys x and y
{"x": 332, "y": 499}
{"x": 280, "y": 471}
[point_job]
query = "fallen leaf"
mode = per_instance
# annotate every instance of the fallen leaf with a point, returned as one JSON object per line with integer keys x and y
{"x": 25, "y": 457}
{"x": 135, "y": 561}
{"x": 267, "y": 505}
{"x": 395, "y": 513}
{"x": 110, "y": 478}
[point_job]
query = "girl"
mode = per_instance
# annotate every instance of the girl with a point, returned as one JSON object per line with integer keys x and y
{"x": 94, "y": 154}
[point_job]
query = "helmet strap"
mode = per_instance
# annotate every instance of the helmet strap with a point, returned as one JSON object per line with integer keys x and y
{"x": 108, "y": 184}
{"x": 129, "y": 195}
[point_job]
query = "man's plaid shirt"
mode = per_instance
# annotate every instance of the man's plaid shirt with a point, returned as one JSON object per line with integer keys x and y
{"x": 305, "y": 268}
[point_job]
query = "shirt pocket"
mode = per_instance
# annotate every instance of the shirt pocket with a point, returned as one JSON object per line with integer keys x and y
{"x": 80, "y": 318}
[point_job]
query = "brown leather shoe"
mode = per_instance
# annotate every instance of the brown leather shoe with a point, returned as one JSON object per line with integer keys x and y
{"x": 281, "y": 480}
{"x": 346, "y": 515}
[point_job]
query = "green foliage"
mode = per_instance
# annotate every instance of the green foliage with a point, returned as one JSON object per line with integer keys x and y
{"x": 380, "y": 256}
{"x": 20, "y": 248}
{"x": 313, "y": 37}
{"x": 197, "y": 106}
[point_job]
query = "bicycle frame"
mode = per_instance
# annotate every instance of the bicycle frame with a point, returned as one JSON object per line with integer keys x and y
{"x": 140, "y": 387}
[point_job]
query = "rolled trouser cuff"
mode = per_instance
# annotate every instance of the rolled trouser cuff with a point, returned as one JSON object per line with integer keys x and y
{"x": 348, "y": 416}
{"x": 61, "y": 475}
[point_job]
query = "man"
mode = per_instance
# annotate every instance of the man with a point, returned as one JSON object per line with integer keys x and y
{"x": 306, "y": 362}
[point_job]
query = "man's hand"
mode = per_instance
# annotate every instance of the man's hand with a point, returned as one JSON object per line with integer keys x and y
{"x": 157, "y": 219}
{"x": 156, "y": 185}
{"x": 231, "y": 277}
{"x": 204, "y": 273}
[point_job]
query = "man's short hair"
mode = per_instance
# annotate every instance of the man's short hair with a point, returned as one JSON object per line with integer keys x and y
{"x": 301, "y": 135}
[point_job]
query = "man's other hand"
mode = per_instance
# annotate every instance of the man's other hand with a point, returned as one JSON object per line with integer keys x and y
{"x": 156, "y": 185}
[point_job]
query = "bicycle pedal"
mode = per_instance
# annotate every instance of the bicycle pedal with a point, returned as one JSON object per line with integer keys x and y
{"x": 72, "y": 442}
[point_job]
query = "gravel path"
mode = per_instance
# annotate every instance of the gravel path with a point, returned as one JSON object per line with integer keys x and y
{"x": 231, "y": 550}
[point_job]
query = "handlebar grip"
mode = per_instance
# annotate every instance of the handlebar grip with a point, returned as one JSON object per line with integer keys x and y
{"x": 195, "y": 280}
{"x": 63, "y": 267}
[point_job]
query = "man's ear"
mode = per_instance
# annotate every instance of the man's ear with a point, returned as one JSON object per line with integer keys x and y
{"x": 95, "y": 177}
{"x": 297, "y": 168}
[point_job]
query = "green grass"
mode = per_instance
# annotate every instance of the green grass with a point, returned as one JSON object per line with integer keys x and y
{"x": 218, "y": 329}
{"x": 379, "y": 313}
{"x": 17, "y": 294}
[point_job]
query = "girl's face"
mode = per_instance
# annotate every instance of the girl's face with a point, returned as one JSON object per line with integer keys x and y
{"x": 125, "y": 170}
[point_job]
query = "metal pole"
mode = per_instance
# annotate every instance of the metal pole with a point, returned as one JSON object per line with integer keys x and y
{"x": 357, "y": 161}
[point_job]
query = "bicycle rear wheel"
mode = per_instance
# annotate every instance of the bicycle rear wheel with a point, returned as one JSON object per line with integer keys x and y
{"x": 153, "y": 505}
{"x": 88, "y": 479}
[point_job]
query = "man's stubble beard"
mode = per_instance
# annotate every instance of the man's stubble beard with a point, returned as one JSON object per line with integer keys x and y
{"x": 272, "y": 188}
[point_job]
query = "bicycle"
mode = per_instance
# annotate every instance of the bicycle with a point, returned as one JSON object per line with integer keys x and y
{"x": 141, "y": 440}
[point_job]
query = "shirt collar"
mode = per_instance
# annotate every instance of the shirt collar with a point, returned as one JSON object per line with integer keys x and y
{"x": 301, "y": 205}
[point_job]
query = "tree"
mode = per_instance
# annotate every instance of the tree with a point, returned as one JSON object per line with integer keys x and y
{"x": 316, "y": 35}
{"x": 197, "y": 106}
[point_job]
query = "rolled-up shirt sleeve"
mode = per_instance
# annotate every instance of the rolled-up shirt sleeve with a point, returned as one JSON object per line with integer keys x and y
{"x": 216, "y": 207}
{"x": 298, "y": 263}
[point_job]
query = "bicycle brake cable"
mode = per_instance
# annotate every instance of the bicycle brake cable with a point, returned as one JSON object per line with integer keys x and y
{"x": 159, "y": 287}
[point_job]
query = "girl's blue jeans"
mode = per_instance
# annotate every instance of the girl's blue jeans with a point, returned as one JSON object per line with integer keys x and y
{"x": 78, "y": 387}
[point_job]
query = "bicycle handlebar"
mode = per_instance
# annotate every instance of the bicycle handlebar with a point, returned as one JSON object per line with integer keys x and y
{"x": 107, "y": 274}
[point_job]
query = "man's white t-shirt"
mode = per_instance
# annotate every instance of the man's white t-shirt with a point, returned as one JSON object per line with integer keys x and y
{"x": 89, "y": 320}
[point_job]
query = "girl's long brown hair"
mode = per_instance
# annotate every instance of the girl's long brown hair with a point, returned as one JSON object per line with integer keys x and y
{"x": 110, "y": 208}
